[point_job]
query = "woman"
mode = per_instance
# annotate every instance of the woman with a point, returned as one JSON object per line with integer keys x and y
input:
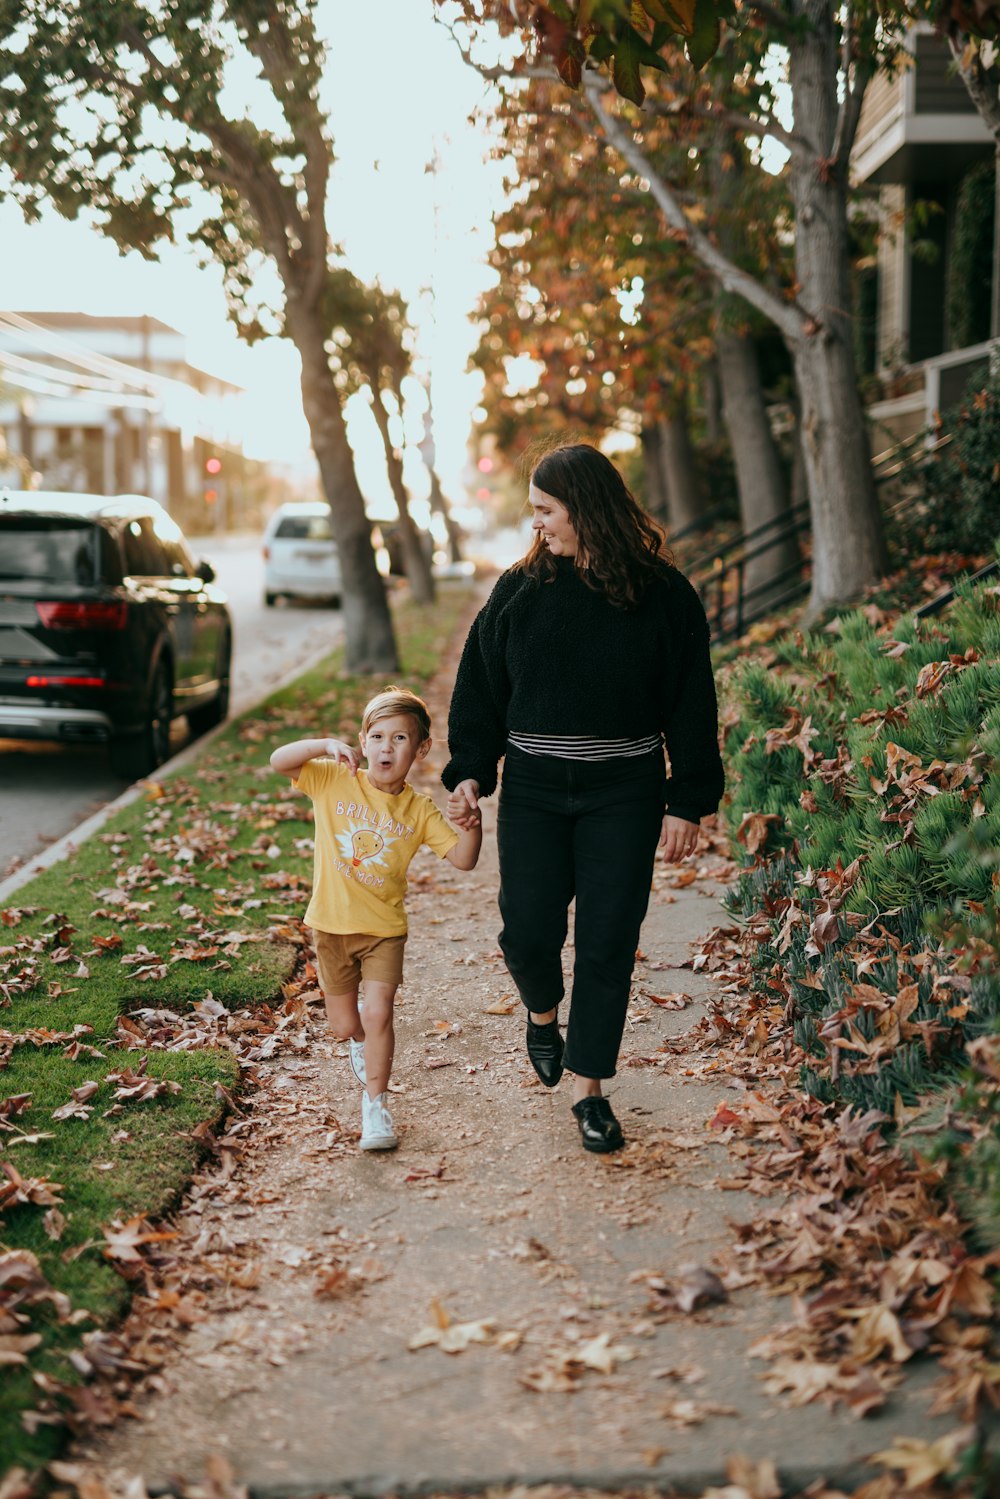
{"x": 590, "y": 654}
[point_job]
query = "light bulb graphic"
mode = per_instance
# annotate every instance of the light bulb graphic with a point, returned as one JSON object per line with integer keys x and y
{"x": 365, "y": 845}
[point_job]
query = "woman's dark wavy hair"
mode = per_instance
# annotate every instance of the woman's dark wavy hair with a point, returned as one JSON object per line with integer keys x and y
{"x": 625, "y": 549}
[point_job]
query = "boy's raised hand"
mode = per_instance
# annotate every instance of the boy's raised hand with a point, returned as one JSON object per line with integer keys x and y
{"x": 344, "y": 754}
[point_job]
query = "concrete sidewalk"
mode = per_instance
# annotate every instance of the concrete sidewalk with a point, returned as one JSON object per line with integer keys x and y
{"x": 490, "y": 1211}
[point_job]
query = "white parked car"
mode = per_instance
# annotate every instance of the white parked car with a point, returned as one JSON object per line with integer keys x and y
{"x": 300, "y": 554}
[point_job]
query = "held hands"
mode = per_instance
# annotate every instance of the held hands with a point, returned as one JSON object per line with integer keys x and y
{"x": 677, "y": 839}
{"x": 463, "y": 805}
{"x": 344, "y": 754}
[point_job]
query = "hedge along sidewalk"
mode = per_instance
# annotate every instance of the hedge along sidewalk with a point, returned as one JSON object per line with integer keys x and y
{"x": 137, "y": 979}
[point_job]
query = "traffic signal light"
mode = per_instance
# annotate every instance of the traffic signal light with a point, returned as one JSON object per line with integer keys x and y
{"x": 213, "y": 468}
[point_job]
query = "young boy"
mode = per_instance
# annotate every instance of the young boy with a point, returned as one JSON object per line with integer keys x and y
{"x": 369, "y": 824}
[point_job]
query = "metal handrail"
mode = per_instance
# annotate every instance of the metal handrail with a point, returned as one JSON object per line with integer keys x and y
{"x": 940, "y": 600}
{"x": 792, "y": 525}
{"x": 716, "y": 569}
{"x": 698, "y": 524}
{"x": 783, "y": 520}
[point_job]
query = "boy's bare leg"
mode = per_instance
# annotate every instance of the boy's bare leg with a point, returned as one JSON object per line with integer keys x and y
{"x": 380, "y": 1038}
{"x": 342, "y": 1016}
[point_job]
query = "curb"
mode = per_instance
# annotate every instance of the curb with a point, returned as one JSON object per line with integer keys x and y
{"x": 69, "y": 842}
{"x": 794, "y": 1478}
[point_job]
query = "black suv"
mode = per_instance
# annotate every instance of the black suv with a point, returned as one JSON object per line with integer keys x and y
{"x": 108, "y": 627}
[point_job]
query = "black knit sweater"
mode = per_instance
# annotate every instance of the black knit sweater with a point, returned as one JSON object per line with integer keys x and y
{"x": 558, "y": 658}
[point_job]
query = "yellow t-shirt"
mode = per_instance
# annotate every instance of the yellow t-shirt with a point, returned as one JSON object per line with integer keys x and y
{"x": 365, "y": 840}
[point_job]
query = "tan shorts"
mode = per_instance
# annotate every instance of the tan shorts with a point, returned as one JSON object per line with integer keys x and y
{"x": 343, "y": 959}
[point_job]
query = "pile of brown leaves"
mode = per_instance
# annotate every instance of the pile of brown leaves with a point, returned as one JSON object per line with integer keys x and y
{"x": 168, "y": 1274}
{"x": 865, "y": 1237}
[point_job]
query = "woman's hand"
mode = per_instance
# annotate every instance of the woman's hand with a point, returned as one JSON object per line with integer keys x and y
{"x": 343, "y": 753}
{"x": 678, "y": 838}
{"x": 463, "y": 805}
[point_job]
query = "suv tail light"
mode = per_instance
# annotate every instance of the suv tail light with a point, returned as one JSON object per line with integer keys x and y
{"x": 93, "y": 615}
{"x": 67, "y": 682}
{"x": 267, "y": 554}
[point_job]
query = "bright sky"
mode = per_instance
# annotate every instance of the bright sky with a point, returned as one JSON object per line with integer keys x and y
{"x": 398, "y": 95}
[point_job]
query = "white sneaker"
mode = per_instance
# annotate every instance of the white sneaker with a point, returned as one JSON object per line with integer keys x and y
{"x": 377, "y": 1132}
{"x": 357, "y": 1053}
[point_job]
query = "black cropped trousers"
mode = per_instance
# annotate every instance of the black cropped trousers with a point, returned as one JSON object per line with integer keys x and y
{"x": 585, "y": 830}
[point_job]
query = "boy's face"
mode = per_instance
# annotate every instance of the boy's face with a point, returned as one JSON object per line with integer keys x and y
{"x": 391, "y": 746}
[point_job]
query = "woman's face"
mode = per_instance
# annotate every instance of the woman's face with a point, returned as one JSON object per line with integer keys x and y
{"x": 550, "y": 519}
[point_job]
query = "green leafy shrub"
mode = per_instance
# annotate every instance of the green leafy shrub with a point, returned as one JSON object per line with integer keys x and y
{"x": 863, "y": 795}
{"x": 969, "y": 277}
{"x": 962, "y": 481}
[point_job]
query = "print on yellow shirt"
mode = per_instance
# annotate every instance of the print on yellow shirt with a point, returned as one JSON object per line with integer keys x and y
{"x": 364, "y": 842}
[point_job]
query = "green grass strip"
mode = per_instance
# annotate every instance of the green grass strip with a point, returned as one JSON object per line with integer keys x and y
{"x": 200, "y": 884}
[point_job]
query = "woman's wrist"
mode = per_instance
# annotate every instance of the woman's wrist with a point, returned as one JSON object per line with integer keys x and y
{"x": 683, "y": 814}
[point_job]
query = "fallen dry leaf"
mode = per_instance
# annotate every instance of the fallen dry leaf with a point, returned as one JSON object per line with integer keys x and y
{"x": 759, "y": 1480}
{"x": 693, "y": 1286}
{"x": 125, "y": 1240}
{"x": 505, "y": 1006}
{"x": 14, "y": 1348}
{"x": 921, "y": 1462}
{"x": 601, "y": 1354}
{"x": 450, "y": 1336}
{"x": 694, "y": 1412}
{"x": 563, "y": 1368}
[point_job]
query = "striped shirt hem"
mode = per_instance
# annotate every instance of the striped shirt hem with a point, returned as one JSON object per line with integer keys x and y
{"x": 577, "y": 747}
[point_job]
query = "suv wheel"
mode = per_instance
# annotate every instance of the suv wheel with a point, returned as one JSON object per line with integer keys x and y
{"x": 200, "y": 720}
{"x": 135, "y": 755}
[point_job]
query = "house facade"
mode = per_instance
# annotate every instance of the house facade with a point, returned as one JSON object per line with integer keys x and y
{"x": 932, "y": 292}
{"x": 111, "y": 405}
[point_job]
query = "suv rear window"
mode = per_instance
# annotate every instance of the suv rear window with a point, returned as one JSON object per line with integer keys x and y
{"x": 56, "y": 550}
{"x": 144, "y": 552}
{"x": 304, "y": 528}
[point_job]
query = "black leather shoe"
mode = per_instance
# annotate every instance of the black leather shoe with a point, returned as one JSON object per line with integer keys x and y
{"x": 600, "y": 1129}
{"x": 545, "y": 1048}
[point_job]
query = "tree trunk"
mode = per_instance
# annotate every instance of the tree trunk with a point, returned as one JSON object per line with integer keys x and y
{"x": 759, "y": 477}
{"x": 438, "y": 500}
{"x": 418, "y": 567}
{"x": 685, "y": 496}
{"x": 848, "y": 549}
{"x": 439, "y": 504}
{"x": 798, "y": 483}
{"x": 772, "y": 558}
{"x": 848, "y": 546}
{"x": 370, "y": 644}
{"x": 651, "y": 439}
{"x": 712, "y": 398}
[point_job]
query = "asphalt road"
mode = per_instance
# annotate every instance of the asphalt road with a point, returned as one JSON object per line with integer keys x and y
{"x": 47, "y": 790}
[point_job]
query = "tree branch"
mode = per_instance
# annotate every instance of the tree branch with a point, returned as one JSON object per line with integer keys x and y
{"x": 275, "y": 52}
{"x": 787, "y": 316}
{"x": 982, "y": 83}
{"x": 773, "y": 14}
{"x": 849, "y": 115}
{"x": 271, "y": 202}
{"x": 734, "y": 118}
{"x": 856, "y": 79}
{"x": 242, "y": 167}
{"x": 498, "y": 73}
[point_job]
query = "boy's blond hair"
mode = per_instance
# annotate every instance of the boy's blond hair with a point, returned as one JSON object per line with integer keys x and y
{"x": 393, "y": 700}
